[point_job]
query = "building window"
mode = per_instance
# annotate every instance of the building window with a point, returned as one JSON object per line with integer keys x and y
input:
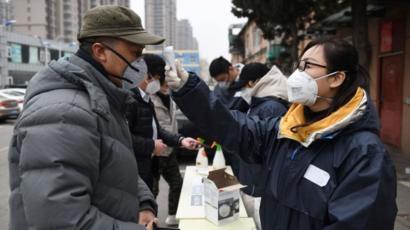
{"x": 15, "y": 53}
{"x": 28, "y": 1}
{"x": 67, "y": 54}
{"x": 33, "y": 55}
{"x": 25, "y": 54}
{"x": 29, "y": 18}
{"x": 53, "y": 54}
{"x": 28, "y": 9}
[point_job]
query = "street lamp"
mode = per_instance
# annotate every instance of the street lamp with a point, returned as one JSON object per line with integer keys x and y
{"x": 10, "y": 22}
{"x": 3, "y": 49}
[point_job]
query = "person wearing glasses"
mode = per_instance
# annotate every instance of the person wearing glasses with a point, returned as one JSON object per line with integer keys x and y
{"x": 323, "y": 162}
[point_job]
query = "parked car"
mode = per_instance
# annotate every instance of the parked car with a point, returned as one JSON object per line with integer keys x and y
{"x": 8, "y": 108}
{"x": 14, "y": 94}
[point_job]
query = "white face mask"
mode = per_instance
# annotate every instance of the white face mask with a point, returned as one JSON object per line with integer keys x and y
{"x": 246, "y": 94}
{"x": 223, "y": 84}
{"x": 153, "y": 87}
{"x": 134, "y": 76}
{"x": 135, "y": 72}
{"x": 302, "y": 88}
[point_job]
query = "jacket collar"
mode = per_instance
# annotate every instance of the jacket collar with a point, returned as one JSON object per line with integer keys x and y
{"x": 86, "y": 57}
{"x": 83, "y": 74}
{"x": 145, "y": 96}
{"x": 117, "y": 96}
{"x": 332, "y": 124}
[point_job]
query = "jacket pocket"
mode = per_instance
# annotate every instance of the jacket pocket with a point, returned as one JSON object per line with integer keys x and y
{"x": 309, "y": 192}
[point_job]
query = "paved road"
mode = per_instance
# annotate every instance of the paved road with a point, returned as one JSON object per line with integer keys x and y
{"x": 6, "y": 129}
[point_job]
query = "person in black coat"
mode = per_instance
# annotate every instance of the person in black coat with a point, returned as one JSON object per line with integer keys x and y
{"x": 226, "y": 75}
{"x": 323, "y": 162}
{"x": 148, "y": 138}
{"x": 267, "y": 96}
{"x": 265, "y": 104}
{"x": 249, "y": 75}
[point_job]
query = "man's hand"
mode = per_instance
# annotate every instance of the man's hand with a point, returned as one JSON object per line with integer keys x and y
{"x": 189, "y": 143}
{"x": 160, "y": 147}
{"x": 176, "y": 78}
{"x": 150, "y": 225}
{"x": 146, "y": 217}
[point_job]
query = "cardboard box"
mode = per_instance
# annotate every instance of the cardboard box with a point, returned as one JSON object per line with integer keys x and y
{"x": 221, "y": 195}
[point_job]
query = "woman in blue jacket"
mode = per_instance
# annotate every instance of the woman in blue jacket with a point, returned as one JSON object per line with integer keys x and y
{"x": 324, "y": 164}
{"x": 264, "y": 90}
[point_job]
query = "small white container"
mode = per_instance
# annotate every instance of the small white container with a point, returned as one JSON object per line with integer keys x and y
{"x": 219, "y": 159}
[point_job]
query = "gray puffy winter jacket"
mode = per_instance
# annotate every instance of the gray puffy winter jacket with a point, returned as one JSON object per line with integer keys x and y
{"x": 71, "y": 160}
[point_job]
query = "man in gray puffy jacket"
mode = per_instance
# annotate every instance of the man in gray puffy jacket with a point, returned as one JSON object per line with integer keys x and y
{"x": 71, "y": 157}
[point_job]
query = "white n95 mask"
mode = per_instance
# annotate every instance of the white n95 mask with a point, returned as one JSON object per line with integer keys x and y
{"x": 153, "y": 87}
{"x": 302, "y": 88}
{"x": 224, "y": 84}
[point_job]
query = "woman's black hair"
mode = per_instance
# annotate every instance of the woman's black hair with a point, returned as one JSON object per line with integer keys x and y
{"x": 340, "y": 55}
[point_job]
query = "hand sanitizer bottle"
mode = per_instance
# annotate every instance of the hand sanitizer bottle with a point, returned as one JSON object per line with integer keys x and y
{"x": 219, "y": 159}
{"x": 201, "y": 159}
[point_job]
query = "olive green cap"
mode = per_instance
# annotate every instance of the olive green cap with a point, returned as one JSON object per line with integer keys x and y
{"x": 117, "y": 22}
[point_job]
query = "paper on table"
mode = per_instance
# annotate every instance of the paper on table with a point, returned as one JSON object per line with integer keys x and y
{"x": 197, "y": 192}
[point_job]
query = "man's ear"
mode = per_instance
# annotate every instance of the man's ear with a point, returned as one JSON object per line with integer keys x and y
{"x": 232, "y": 72}
{"x": 251, "y": 84}
{"x": 99, "y": 52}
{"x": 337, "y": 80}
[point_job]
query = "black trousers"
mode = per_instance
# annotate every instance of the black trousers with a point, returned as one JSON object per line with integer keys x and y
{"x": 145, "y": 171}
{"x": 169, "y": 169}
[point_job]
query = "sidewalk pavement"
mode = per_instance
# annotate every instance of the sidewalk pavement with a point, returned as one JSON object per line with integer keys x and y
{"x": 402, "y": 161}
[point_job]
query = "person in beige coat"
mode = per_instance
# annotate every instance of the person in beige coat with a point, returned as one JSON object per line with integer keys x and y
{"x": 166, "y": 163}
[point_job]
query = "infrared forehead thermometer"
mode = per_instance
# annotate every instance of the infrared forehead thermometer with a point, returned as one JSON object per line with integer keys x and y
{"x": 169, "y": 56}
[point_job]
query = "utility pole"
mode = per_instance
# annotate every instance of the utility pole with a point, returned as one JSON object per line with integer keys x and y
{"x": 3, "y": 58}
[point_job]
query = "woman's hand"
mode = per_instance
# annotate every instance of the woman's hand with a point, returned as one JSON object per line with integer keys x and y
{"x": 176, "y": 78}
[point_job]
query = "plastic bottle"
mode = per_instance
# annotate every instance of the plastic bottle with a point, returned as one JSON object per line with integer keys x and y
{"x": 219, "y": 159}
{"x": 201, "y": 159}
{"x": 169, "y": 56}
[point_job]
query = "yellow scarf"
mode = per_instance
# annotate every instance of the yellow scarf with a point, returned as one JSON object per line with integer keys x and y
{"x": 295, "y": 116}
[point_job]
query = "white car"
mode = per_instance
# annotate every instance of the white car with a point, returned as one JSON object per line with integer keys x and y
{"x": 14, "y": 94}
{"x": 8, "y": 108}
